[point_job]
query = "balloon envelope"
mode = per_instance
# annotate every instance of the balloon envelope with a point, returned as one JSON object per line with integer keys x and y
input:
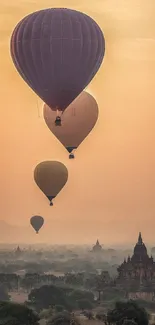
{"x": 77, "y": 121}
{"x": 37, "y": 222}
{"x": 57, "y": 52}
{"x": 50, "y": 176}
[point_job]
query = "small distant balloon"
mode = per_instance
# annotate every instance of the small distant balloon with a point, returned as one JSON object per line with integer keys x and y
{"x": 77, "y": 121}
{"x": 51, "y": 177}
{"x": 57, "y": 52}
{"x": 37, "y": 222}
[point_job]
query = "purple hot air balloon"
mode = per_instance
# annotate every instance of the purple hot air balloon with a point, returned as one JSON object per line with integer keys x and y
{"x": 57, "y": 52}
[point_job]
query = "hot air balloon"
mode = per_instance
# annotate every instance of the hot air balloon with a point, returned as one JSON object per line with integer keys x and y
{"x": 37, "y": 222}
{"x": 50, "y": 176}
{"x": 78, "y": 120}
{"x": 57, "y": 52}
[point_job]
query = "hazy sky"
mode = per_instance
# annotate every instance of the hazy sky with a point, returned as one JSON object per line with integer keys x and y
{"x": 110, "y": 193}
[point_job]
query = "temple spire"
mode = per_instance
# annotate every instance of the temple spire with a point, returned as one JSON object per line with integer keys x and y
{"x": 140, "y": 241}
{"x": 97, "y": 246}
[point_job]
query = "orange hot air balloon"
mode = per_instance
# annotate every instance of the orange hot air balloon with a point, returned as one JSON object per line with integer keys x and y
{"x": 50, "y": 176}
{"x": 37, "y": 222}
{"x": 77, "y": 121}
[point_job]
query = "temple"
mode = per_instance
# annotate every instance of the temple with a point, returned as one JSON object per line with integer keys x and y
{"x": 97, "y": 247}
{"x": 18, "y": 252}
{"x": 137, "y": 274}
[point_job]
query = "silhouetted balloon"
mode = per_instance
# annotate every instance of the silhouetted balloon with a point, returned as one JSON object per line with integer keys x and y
{"x": 50, "y": 176}
{"x": 77, "y": 121}
{"x": 37, "y": 222}
{"x": 57, "y": 52}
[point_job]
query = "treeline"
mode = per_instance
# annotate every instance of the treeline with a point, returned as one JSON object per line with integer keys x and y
{"x": 41, "y": 265}
{"x": 61, "y": 298}
{"x": 88, "y": 281}
{"x": 124, "y": 313}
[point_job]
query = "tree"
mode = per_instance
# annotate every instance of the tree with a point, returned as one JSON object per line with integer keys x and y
{"x": 9, "y": 280}
{"x": 46, "y": 296}
{"x": 84, "y": 304}
{"x": 4, "y": 296}
{"x": 9, "y": 321}
{"x": 46, "y": 313}
{"x": 81, "y": 294}
{"x": 129, "y": 322}
{"x": 17, "y": 314}
{"x": 100, "y": 315}
{"x": 59, "y": 308}
{"x": 88, "y": 314}
{"x": 74, "y": 279}
{"x": 63, "y": 318}
{"x": 127, "y": 310}
{"x": 90, "y": 282}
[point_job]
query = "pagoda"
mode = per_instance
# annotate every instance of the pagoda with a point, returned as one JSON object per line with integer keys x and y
{"x": 97, "y": 247}
{"x": 18, "y": 252}
{"x": 137, "y": 273}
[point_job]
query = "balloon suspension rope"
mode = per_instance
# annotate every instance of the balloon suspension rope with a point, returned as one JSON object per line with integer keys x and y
{"x": 38, "y": 109}
{"x": 73, "y": 111}
{"x": 58, "y": 114}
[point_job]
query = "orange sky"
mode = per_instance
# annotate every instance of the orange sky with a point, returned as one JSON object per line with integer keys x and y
{"x": 110, "y": 193}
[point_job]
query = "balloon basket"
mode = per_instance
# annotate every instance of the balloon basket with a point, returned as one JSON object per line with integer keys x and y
{"x": 58, "y": 121}
{"x": 71, "y": 156}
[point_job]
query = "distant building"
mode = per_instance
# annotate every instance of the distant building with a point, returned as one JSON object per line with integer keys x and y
{"x": 18, "y": 252}
{"x": 137, "y": 273}
{"x": 97, "y": 247}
